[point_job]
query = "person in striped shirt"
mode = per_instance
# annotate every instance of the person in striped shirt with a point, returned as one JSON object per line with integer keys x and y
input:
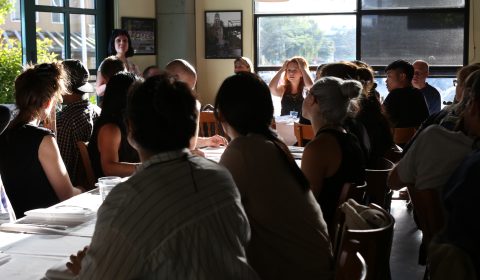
{"x": 179, "y": 216}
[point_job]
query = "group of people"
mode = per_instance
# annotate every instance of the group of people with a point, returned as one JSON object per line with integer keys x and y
{"x": 256, "y": 215}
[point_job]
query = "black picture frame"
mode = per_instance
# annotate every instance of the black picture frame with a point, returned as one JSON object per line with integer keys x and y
{"x": 142, "y": 31}
{"x": 223, "y": 34}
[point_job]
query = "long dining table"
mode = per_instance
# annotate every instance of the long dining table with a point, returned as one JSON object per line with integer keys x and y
{"x": 33, "y": 245}
{"x": 30, "y": 246}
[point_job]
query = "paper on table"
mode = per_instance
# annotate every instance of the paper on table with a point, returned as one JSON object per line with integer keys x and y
{"x": 59, "y": 272}
{"x": 62, "y": 213}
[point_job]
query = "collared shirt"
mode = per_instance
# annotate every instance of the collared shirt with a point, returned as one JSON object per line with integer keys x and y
{"x": 75, "y": 123}
{"x": 178, "y": 217}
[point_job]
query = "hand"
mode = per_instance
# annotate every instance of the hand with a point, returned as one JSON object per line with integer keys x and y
{"x": 216, "y": 141}
{"x": 75, "y": 263}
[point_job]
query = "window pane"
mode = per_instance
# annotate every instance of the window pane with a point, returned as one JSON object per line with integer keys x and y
{"x": 49, "y": 38}
{"x": 319, "y": 39}
{"x": 54, "y": 3}
{"x": 82, "y": 39}
{"x": 305, "y": 6}
{"x": 436, "y": 38}
{"x": 406, "y": 4}
{"x": 84, "y": 4}
{"x": 443, "y": 85}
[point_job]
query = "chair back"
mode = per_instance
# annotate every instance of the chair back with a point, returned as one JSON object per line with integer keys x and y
{"x": 376, "y": 176}
{"x": 350, "y": 263}
{"x": 303, "y": 132}
{"x": 209, "y": 125}
{"x": 401, "y": 135}
{"x": 349, "y": 190}
{"x": 85, "y": 174}
{"x": 374, "y": 245}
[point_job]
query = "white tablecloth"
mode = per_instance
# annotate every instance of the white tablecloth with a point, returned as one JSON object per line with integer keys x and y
{"x": 32, "y": 254}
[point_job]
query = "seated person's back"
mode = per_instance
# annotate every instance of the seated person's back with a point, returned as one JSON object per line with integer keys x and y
{"x": 109, "y": 150}
{"x": 289, "y": 235}
{"x": 179, "y": 216}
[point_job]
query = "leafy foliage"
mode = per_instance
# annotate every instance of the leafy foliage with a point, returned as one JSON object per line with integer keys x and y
{"x": 11, "y": 56}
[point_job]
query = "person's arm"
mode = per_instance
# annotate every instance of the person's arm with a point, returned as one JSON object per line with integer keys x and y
{"x": 214, "y": 141}
{"x": 54, "y": 168}
{"x": 394, "y": 181}
{"x": 275, "y": 88}
{"x": 109, "y": 139}
{"x": 320, "y": 159}
{"x": 307, "y": 79}
{"x": 100, "y": 84}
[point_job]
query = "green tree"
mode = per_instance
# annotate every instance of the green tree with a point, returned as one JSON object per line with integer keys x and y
{"x": 11, "y": 56}
{"x": 284, "y": 37}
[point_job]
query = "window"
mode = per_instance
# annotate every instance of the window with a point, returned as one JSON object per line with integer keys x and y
{"x": 57, "y": 17}
{"x": 66, "y": 31}
{"x": 15, "y": 15}
{"x": 378, "y": 32}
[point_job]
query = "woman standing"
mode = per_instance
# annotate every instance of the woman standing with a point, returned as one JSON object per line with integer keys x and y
{"x": 120, "y": 45}
{"x": 296, "y": 78}
{"x": 289, "y": 236}
{"x": 31, "y": 167}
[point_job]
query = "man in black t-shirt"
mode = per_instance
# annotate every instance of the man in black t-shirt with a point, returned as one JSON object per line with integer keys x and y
{"x": 405, "y": 105}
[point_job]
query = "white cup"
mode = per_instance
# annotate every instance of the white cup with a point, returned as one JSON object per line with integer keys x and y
{"x": 106, "y": 184}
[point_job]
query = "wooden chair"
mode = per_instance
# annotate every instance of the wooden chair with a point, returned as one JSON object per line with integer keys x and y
{"x": 303, "y": 132}
{"x": 374, "y": 245}
{"x": 209, "y": 125}
{"x": 377, "y": 190}
{"x": 430, "y": 216}
{"x": 349, "y": 190}
{"x": 350, "y": 264}
{"x": 401, "y": 135}
{"x": 85, "y": 174}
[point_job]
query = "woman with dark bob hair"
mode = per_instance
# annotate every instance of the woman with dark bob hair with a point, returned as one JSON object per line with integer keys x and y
{"x": 109, "y": 151}
{"x": 119, "y": 45}
{"x": 31, "y": 166}
{"x": 289, "y": 236}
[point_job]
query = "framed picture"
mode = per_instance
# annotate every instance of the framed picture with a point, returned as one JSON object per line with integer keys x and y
{"x": 223, "y": 34}
{"x": 142, "y": 31}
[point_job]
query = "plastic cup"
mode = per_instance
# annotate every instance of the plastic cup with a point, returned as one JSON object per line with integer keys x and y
{"x": 106, "y": 185}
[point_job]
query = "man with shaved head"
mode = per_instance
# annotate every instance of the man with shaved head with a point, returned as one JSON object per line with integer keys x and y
{"x": 420, "y": 74}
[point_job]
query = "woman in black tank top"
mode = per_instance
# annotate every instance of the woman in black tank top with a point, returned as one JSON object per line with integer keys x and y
{"x": 296, "y": 79}
{"x": 334, "y": 157}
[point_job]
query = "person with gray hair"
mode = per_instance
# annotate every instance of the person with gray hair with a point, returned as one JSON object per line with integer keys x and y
{"x": 334, "y": 156}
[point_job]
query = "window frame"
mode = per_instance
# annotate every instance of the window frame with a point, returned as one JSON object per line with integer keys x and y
{"x": 435, "y": 71}
{"x": 29, "y": 45}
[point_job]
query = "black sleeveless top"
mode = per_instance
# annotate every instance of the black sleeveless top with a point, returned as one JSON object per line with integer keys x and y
{"x": 25, "y": 181}
{"x": 351, "y": 170}
{"x": 126, "y": 153}
{"x": 291, "y": 102}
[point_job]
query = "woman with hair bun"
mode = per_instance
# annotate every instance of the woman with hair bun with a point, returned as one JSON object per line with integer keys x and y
{"x": 31, "y": 167}
{"x": 334, "y": 156}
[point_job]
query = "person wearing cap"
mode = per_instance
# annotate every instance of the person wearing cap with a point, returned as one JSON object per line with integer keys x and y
{"x": 75, "y": 120}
